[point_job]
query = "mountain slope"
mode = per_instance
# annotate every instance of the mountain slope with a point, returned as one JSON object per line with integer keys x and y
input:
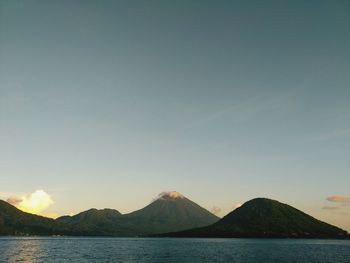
{"x": 171, "y": 211}
{"x": 94, "y": 222}
{"x": 262, "y": 217}
{"x": 16, "y": 222}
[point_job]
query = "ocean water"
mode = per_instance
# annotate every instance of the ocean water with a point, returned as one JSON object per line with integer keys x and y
{"x": 74, "y": 249}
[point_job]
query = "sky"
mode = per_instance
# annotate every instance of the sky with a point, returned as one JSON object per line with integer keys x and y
{"x": 109, "y": 103}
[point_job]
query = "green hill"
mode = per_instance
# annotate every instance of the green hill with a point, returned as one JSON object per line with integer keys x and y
{"x": 15, "y": 222}
{"x": 262, "y": 217}
{"x": 94, "y": 222}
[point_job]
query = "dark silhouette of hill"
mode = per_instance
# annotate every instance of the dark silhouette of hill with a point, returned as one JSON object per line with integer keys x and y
{"x": 94, "y": 222}
{"x": 170, "y": 212}
{"x": 262, "y": 217}
{"x": 16, "y": 222}
{"x": 173, "y": 213}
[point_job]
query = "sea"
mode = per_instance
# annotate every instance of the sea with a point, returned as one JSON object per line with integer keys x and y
{"x": 84, "y": 249}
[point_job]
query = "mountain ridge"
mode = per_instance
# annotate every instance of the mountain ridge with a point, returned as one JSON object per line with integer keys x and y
{"x": 263, "y": 217}
{"x": 170, "y": 211}
{"x": 176, "y": 216}
{"x": 16, "y": 222}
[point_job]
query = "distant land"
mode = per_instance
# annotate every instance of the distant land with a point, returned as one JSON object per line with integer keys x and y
{"x": 176, "y": 216}
{"x": 169, "y": 212}
{"x": 265, "y": 218}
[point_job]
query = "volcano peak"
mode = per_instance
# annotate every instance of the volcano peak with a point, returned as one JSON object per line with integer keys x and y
{"x": 170, "y": 195}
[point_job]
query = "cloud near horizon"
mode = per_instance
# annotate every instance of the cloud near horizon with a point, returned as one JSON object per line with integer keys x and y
{"x": 339, "y": 199}
{"x": 215, "y": 210}
{"x": 34, "y": 203}
{"x": 53, "y": 215}
{"x": 326, "y": 207}
{"x": 14, "y": 200}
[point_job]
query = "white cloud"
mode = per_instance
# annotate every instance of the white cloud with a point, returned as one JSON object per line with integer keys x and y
{"x": 34, "y": 203}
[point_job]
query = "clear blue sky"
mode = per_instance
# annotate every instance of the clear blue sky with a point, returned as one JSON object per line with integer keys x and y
{"x": 108, "y": 103}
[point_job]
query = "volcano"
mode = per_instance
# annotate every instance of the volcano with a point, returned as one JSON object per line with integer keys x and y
{"x": 170, "y": 211}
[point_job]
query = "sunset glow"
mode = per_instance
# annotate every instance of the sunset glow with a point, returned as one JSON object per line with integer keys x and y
{"x": 34, "y": 203}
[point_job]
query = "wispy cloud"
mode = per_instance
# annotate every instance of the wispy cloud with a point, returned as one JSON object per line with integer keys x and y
{"x": 330, "y": 207}
{"x": 339, "y": 199}
{"x": 169, "y": 195}
{"x": 215, "y": 210}
{"x": 5, "y": 195}
{"x": 248, "y": 109}
{"x": 341, "y": 202}
{"x": 14, "y": 200}
{"x": 251, "y": 107}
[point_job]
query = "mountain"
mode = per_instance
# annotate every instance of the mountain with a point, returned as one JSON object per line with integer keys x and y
{"x": 171, "y": 211}
{"x": 16, "y": 222}
{"x": 94, "y": 222}
{"x": 262, "y": 217}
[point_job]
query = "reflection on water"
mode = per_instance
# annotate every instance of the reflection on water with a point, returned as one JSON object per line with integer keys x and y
{"x": 22, "y": 250}
{"x": 64, "y": 249}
